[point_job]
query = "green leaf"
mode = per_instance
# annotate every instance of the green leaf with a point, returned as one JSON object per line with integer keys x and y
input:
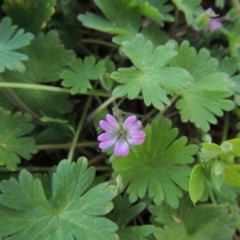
{"x": 218, "y": 174}
{"x": 120, "y": 19}
{"x": 206, "y": 97}
{"x": 220, "y": 3}
{"x": 12, "y": 143}
{"x": 71, "y": 212}
{"x": 232, "y": 14}
{"x": 80, "y": 74}
{"x": 209, "y": 152}
{"x": 136, "y": 232}
{"x": 48, "y": 59}
{"x": 203, "y": 222}
{"x": 155, "y": 35}
{"x": 201, "y": 21}
{"x": 196, "y": 184}
{"x": 123, "y": 213}
{"x": 236, "y": 88}
{"x": 151, "y": 75}
{"x": 158, "y": 167}
{"x": 190, "y": 8}
{"x": 30, "y": 15}
{"x": 231, "y": 146}
{"x": 233, "y": 38}
{"x": 232, "y": 174}
{"x": 10, "y": 40}
{"x": 226, "y": 194}
{"x": 5, "y": 102}
{"x": 156, "y": 10}
{"x": 228, "y": 65}
{"x": 53, "y": 131}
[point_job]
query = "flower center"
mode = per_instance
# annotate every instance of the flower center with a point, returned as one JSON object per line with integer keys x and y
{"x": 122, "y": 133}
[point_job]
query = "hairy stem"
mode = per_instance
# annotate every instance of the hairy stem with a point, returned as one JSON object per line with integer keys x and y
{"x": 65, "y": 145}
{"x": 102, "y": 106}
{"x": 20, "y": 104}
{"x": 79, "y": 128}
{"x": 48, "y": 88}
{"x": 225, "y": 127}
{"x": 99, "y": 42}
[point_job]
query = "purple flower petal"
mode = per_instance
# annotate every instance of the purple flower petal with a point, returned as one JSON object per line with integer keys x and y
{"x": 136, "y": 134}
{"x": 106, "y": 136}
{"x": 108, "y": 127}
{"x": 135, "y": 141}
{"x": 136, "y": 137}
{"x": 127, "y": 124}
{"x": 214, "y": 25}
{"x": 112, "y": 120}
{"x": 108, "y": 143}
{"x": 121, "y": 148}
{"x": 136, "y": 125}
{"x": 130, "y": 134}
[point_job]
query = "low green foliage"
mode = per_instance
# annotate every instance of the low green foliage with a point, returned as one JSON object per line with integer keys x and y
{"x": 119, "y": 120}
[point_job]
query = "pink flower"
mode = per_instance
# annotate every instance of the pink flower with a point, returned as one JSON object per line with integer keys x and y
{"x": 120, "y": 135}
{"x": 214, "y": 24}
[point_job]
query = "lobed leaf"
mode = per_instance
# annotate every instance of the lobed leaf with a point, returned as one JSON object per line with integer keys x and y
{"x": 157, "y": 10}
{"x": 12, "y": 143}
{"x": 123, "y": 213}
{"x": 152, "y": 77}
{"x": 22, "y": 10}
{"x": 48, "y": 59}
{"x": 71, "y": 212}
{"x": 80, "y": 74}
{"x": 207, "y": 96}
{"x": 120, "y": 19}
{"x": 10, "y": 40}
{"x": 190, "y": 9}
{"x": 193, "y": 223}
{"x": 158, "y": 167}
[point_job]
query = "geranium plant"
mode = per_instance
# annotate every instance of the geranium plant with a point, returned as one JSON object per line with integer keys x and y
{"x": 119, "y": 120}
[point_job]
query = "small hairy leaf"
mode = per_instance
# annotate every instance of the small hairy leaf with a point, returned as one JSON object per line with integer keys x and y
{"x": 10, "y": 40}
{"x": 217, "y": 174}
{"x": 80, "y": 74}
{"x": 206, "y": 97}
{"x": 70, "y": 212}
{"x": 30, "y": 15}
{"x": 196, "y": 185}
{"x": 12, "y": 143}
{"x": 232, "y": 174}
{"x": 158, "y": 167}
{"x": 203, "y": 222}
{"x": 48, "y": 59}
{"x": 120, "y": 19}
{"x": 231, "y": 146}
{"x": 152, "y": 76}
